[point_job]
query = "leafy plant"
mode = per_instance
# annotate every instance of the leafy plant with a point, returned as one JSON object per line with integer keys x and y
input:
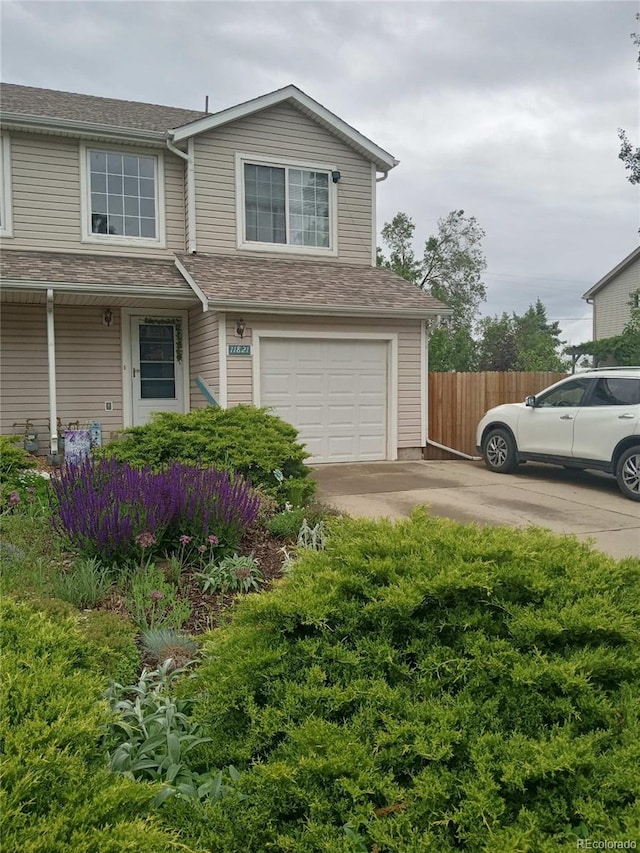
{"x": 111, "y": 510}
{"x": 428, "y": 685}
{"x": 162, "y": 644}
{"x": 86, "y": 584}
{"x": 153, "y": 603}
{"x": 314, "y": 537}
{"x": 14, "y": 462}
{"x": 57, "y": 795}
{"x": 243, "y": 439}
{"x": 232, "y": 574}
{"x": 286, "y": 525}
{"x": 155, "y": 736}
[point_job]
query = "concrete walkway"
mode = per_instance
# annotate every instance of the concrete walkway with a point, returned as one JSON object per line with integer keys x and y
{"x": 583, "y": 503}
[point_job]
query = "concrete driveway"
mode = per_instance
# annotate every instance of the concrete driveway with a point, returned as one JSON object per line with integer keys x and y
{"x": 583, "y": 503}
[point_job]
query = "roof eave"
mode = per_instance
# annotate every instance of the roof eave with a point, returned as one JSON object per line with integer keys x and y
{"x": 251, "y": 306}
{"x": 383, "y": 159}
{"x": 621, "y": 267}
{"x": 86, "y": 288}
{"x": 21, "y": 121}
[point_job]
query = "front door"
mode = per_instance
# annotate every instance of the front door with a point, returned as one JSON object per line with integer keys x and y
{"x": 156, "y": 372}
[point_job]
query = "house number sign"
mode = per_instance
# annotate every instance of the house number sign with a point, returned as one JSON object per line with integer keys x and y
{"x": 239, "y": 349}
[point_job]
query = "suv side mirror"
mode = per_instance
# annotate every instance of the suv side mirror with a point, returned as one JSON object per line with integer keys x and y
{"x": 530, "y": 401}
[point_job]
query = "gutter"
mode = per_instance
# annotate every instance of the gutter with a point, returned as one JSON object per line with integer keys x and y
{"x": 92, "y": 290}
{"x": 21, "y": 121}
{"x": 189, "y": 158}
{"x": 249, "y": 306}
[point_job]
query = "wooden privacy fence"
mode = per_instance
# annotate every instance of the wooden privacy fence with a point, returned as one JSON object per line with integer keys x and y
{"x": 457, "y": 401}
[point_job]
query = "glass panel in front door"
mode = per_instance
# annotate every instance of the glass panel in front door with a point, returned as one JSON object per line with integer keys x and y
{"x": 157, "y": 361}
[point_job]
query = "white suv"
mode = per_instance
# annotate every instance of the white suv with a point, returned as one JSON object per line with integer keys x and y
{"x": 590, "y": 420}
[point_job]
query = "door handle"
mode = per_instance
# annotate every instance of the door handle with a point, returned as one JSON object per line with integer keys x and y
{"x": 626, "y": 417}
{"x": 135, "y": 370}
{"x": 566, "y": 417}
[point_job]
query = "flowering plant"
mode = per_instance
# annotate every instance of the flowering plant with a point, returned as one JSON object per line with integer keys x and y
{"x": 111, "y": 510}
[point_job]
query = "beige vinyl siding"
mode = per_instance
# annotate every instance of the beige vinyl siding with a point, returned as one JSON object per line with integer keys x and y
{"x": 46, "y": 198}
{"x": 88, "y": 368}
{"x": 282, "y": 132}
{"x": 611, "y": 309}
{"x": 203, "y": 355}
{"x": 239, "y": 368}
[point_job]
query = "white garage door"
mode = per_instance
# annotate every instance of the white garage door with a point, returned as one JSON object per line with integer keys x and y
{"x": 333, "y": 392}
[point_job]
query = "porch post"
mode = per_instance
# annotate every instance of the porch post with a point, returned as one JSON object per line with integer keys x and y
{"x": 51, "y": 357}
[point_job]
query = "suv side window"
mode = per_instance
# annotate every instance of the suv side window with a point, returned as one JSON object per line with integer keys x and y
{"x": 570, "y": 393}
{"x": 615, "y": 391}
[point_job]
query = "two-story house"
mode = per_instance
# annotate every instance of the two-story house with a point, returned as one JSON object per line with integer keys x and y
{"x": 154, "y": 258}
{"x": 613, "y": 295}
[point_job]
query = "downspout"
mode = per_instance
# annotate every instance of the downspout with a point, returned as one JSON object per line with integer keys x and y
{"x": 51, "y": 356}
{"x": 189, "y": 158}
{"x": 384, "y": 177}
{"x": 429, "y": 440}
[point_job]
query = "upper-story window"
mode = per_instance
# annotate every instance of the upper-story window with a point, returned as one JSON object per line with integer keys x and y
{"x": 5, "y": 188}
{"x": 122, "y": 197}
{"x": 285, "y": 207}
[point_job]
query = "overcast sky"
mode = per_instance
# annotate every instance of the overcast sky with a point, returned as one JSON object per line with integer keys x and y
{"x": 508, "y": 110}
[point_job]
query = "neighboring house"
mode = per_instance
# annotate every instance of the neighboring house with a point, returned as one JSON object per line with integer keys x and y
{"x": 612, "y": 296}
{"x": 151, "y": 256}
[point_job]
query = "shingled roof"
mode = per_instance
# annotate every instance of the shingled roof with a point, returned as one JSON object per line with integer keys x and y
{"x": 226, "y": 280}
{"x": 68, "y": 106}
{"x": 95, "y": 271}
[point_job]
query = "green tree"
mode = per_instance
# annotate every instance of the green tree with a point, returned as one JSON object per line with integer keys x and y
{"x": 452, "y": 267}
{"x": 526, "y": 342}
{"x": 629, "y": 155}
{"x": 397, "y": 236}
{"x": 538, "y": 344}
{"x": 451, "y": 271}
{"x": 496, "y": 343}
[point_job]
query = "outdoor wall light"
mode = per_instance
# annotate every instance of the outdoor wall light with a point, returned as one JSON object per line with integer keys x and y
{"x": 335, "y": 176}
{"x": 240, "y": 327}
{"x": 107, "y": 317}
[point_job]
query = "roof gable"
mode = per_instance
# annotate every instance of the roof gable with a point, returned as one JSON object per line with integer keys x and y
{"x": 296, "y": 97}
{"x": 606, "y": 279}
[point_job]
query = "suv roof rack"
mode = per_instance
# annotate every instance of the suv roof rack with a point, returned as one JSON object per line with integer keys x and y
{"x": 617, "y": 367}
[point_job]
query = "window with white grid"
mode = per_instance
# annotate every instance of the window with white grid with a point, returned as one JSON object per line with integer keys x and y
{"x": 123, "y": 195}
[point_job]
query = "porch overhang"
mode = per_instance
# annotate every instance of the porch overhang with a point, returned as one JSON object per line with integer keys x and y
{"x": 301, "y": 287}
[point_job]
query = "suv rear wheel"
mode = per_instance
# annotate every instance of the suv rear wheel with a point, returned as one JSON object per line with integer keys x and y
{"x": 499, "y": 451}
{"x": 628, "y": 473}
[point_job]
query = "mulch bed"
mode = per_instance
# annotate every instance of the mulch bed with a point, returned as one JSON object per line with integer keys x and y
{"x": 209, "y": 610}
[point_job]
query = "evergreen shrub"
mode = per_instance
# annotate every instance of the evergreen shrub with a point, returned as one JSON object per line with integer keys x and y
{"x": 56, "y": 794}
{"x": 428, "y": 686}
{"x": 244, "y": 439}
